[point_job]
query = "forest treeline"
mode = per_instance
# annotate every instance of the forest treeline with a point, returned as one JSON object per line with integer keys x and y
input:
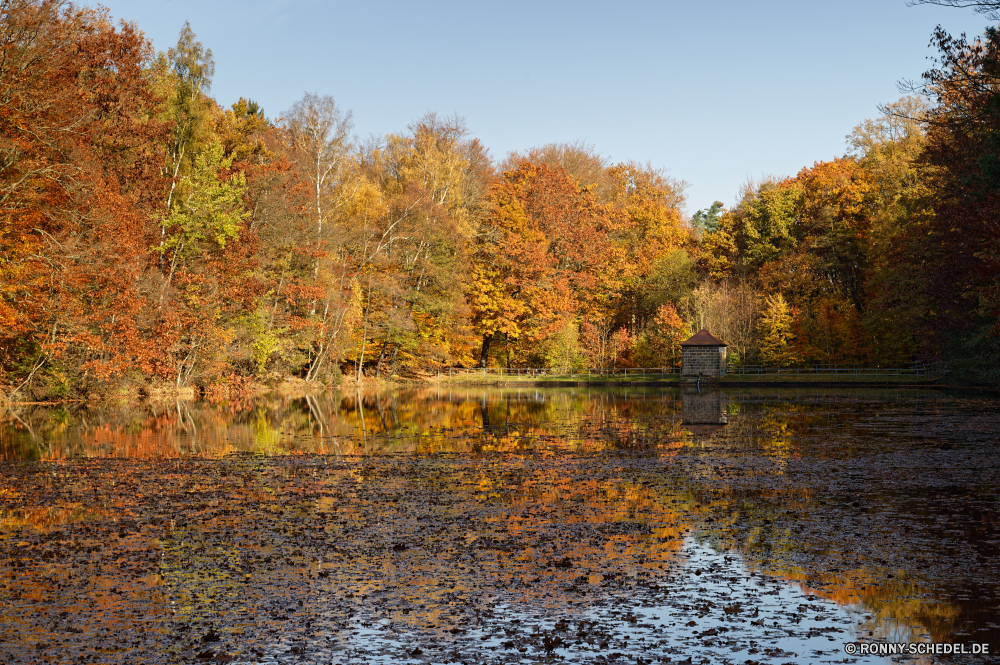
{"x": 150, "y": 236}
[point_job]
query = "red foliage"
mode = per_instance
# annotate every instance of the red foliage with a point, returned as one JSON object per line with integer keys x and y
{"x": 79, "y": 183}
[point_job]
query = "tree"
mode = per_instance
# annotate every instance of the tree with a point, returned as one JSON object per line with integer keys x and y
{"x": 670, "y": 331}
{"x": 659, "y": 344}
{"x": 430, "y": 180}
{"x": 562, "y": 348}
{"x": 707, "y": 221}
{"x": 988, "y": 8}
{"x": 957, "y": 247}
{"x": 209, "y": 209}
{"x": 672, "y": 279}
{"x": 580, "y": 161}
{"x": 730, "y": 310}
{"x": 187, "y": 75}
{"x": 835, "y": 223}
{"x": 536, "y": 265}
{"x": 890, "y": 149}
{"x": 79, "y": 168}
{"x": 320, "y": 134}
{"x": 762, "y": 228}
{"x": 776, "y": 332}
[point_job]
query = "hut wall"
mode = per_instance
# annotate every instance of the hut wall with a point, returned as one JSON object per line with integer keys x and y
{"x": 706, "y": 360}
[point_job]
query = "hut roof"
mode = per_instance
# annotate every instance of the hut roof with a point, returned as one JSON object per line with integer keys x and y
{"x": 703, "y": 338}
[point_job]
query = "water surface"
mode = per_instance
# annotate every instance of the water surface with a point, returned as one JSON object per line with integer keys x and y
{"x": 500, "y": 526}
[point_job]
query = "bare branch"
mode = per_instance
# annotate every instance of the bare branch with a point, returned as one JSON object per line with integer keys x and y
{"x": 988, "y": 8}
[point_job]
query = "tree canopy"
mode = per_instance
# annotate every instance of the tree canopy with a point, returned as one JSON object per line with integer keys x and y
{"x": 151, "y": 237}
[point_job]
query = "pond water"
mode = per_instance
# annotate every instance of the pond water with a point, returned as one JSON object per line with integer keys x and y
{"x": 437, "y": 525}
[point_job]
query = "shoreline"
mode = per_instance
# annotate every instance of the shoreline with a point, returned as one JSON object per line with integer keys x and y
{"x": 298, "y": 388}
{"x": 659, "y": 383}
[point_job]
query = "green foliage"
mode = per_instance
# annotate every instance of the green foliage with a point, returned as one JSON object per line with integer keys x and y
{"x": 265, "y": 341}
{"x": 209, "y": 209}
{"x": 973, "y": 353}
{"x": 766, "y": 223}
{"x": 673, "y": 278}
{"x": 707, "y": 221}
{"x": 562, "y": 348}
{"x": 762, "y": 228}
{"x": 184, "y": 76}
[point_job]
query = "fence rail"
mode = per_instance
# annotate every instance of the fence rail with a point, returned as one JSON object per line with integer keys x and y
{"x": 827, "y": 370}
{"x": 834, "y": 371}
{"x": 534, "y": 372}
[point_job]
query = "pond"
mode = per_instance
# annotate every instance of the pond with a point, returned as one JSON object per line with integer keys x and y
{"x": 492, "y": 525}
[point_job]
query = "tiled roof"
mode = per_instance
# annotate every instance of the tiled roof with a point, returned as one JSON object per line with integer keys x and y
{"x": 703, "y": 338}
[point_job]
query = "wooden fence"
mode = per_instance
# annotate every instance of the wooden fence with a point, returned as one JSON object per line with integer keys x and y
{"x": 916, "y": 371}
{"x": 561, "y": 372}
{"x": 833, "y": 372}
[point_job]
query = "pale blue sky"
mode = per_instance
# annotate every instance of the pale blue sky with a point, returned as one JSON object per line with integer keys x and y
{"x": 711, "y": 91}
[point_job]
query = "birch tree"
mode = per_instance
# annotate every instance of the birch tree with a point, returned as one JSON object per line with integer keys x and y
{"x": 319, "y": 133}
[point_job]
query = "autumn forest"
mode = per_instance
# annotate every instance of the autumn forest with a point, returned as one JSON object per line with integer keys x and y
{"x": 151, "y": 237}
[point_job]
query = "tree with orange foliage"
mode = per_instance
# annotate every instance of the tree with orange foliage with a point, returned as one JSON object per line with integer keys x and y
{"x": 659, "y": 344}
{"x": 646, "y": 228}
{"x": 835, "y": 219}
{"x": 540, "y": 255}
{"x": 78, "y": 185}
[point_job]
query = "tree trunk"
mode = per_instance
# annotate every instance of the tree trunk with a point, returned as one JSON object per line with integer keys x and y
{"x": 484, "y": 356}
{"x": 394, "y": 361}
{"x": 484, "y": 411}
{"x": 381, "y": 357}
{"x": 364, "y": 336}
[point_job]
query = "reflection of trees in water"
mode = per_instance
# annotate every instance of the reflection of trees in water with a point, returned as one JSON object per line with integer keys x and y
{"x": 901, "y": 605}
{"x": 419, "y": 420}
{"x": 524, "y": 528}
{"x": 766, "y": 436}
{"x": 839, "y": 523}
{"x": 426, "y": 420}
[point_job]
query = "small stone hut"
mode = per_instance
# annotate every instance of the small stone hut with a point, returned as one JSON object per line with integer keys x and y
{"x": 703, "y": 354}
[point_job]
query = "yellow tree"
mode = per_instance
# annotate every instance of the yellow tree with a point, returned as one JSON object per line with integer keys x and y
{"x": 776, "y": 332}
{"x": 432, "y": 181}
{"x": 647, "y": 226}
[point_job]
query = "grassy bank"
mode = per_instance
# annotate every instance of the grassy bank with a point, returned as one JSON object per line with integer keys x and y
{"x": 825, "y": 379}
{"x": 577, "y": 379}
